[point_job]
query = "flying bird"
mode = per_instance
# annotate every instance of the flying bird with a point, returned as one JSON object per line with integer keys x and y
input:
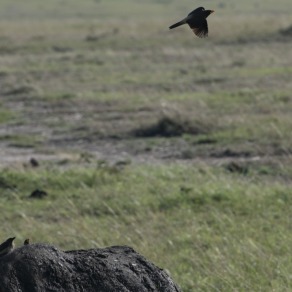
{"x": 197, "y": 21}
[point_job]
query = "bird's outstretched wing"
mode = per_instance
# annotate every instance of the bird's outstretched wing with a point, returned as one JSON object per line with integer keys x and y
{"x": 199, "y": 27}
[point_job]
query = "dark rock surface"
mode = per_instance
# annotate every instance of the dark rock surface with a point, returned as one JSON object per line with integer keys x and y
{"x": 41, "y": 267}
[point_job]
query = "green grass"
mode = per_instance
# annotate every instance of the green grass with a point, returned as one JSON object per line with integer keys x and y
{"x": 211, "y": 229}
{"x": 5, "y": 115}
{"x": 80, "y": 78}
{"x": 22, "y": 141}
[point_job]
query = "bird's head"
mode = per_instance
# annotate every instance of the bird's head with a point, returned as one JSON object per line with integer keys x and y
{"x": 208, "y": 12}
{"x": 205, "y": 12}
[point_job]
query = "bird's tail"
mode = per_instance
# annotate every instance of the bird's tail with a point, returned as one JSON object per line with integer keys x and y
{"x": 178, "y": 24}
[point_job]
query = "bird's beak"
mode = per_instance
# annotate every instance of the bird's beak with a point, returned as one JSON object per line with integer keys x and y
{"x": 212, "y": 11}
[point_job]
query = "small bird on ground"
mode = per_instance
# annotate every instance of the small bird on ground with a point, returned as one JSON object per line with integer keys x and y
{"x": 26, "y": 242}
{"x": 197, "y": 21}
{"x": 7, "y": 246}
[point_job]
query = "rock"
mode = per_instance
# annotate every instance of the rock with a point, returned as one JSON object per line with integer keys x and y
{"x": 41, "y": 267}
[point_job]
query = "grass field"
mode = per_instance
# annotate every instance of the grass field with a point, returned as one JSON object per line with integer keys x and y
{"x": 177, "y": 146}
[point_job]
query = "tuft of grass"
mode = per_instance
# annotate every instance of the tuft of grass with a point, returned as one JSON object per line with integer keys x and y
{"x": 6, "y": 116}
{"x": 287, "y": 32}
{"x": 23, "y": 141}
{"x": 168, "y": 126}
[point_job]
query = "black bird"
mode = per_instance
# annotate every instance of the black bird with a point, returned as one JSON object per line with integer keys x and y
{"x": 197, "y": 21}
{"x": 7, "y": 246}
{"x": 26, "y": 242}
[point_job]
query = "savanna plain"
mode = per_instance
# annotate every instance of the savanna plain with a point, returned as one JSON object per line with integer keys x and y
{"x": 177, "y": 146}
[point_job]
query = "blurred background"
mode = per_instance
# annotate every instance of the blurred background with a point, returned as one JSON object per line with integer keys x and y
{"x": 116, "y": 130}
